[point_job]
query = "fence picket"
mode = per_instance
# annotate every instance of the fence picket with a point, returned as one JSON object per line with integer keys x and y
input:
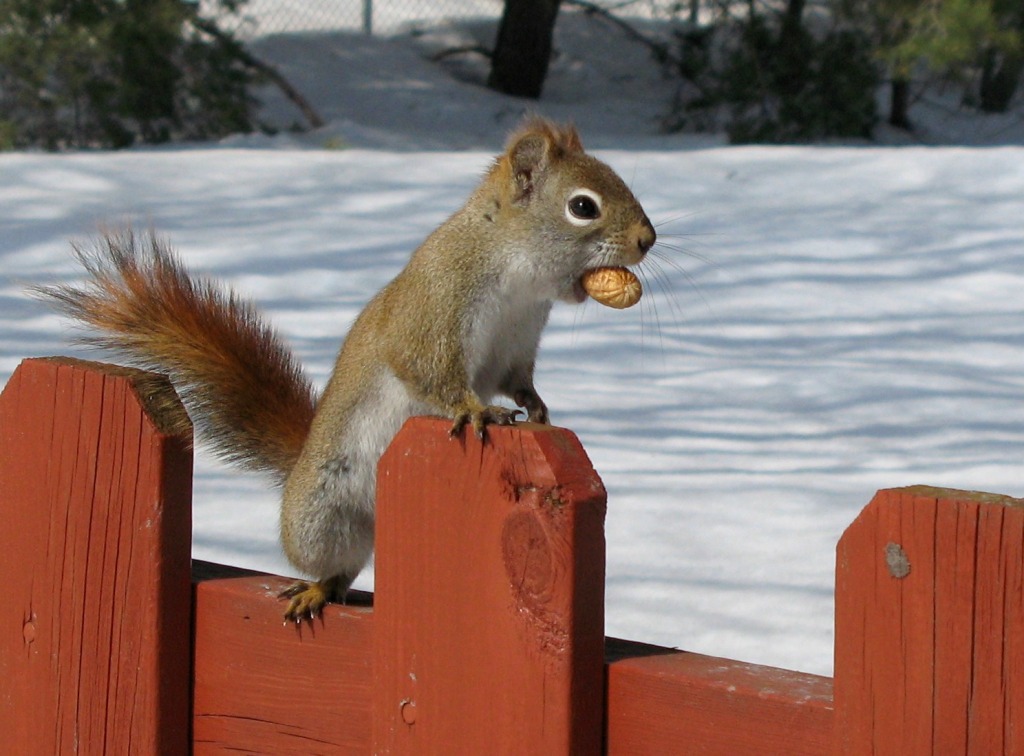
{"x": 486, "y": 630}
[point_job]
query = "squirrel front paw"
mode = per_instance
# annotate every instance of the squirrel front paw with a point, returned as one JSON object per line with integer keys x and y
{"x": 309, "y": 599}
{"x": 480, "y": 417}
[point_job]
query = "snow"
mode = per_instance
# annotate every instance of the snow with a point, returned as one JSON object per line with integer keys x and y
{"x": 820, "y": 322}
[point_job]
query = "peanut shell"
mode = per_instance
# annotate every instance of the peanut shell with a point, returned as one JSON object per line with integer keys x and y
{"x": 612, "y": 287}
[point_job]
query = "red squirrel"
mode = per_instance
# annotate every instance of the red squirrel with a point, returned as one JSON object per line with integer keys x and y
{"x": 458, "y": 326}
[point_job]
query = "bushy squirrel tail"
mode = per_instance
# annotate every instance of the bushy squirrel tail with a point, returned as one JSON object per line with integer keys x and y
{"x": 245, "y": 392}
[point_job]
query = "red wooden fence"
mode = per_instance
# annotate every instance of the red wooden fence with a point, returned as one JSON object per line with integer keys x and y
{"x": 485, "y": 634}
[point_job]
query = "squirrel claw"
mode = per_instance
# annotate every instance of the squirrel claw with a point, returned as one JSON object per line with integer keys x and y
{"x": 309, "y": 599}
{"x": 481, "y": 418}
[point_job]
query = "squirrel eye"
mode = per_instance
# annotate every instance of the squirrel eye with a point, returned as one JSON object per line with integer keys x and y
{"x": 582, "y": 208}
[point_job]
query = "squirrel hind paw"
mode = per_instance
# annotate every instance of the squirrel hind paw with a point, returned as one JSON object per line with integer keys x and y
{"x": 481, "y": 417}
{"x": 308, "y": 599}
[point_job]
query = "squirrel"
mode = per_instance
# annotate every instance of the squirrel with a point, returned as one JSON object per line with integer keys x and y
{"x": 458, "y": 325}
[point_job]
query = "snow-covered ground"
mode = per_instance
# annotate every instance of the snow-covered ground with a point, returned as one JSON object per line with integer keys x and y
{"x": 820, "y": 322}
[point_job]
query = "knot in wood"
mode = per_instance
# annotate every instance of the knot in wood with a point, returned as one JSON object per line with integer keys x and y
{"x": 896, "y": 560}
{"x": 528, "y": 559}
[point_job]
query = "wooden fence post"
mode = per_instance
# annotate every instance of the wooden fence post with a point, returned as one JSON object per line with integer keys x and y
{"x": 930, "y": 625}
{"x": 489, "y": 593}
{"x": 94, "y": 552}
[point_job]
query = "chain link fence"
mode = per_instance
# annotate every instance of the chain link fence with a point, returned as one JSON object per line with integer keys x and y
{"x": 263, "y": 17}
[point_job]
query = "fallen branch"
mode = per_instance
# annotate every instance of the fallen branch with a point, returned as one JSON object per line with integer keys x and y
{"x": 249, "y": 60}
{"x": 659, "y": 50}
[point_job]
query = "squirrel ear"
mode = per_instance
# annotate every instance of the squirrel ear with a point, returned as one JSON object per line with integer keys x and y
{"x": 532, "y": 150}
{"x": 528, "y": 157}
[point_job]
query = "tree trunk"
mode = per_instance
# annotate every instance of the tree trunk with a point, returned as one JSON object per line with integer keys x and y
{"x": 1000, "y": 77}
{"x": 900, "y": 104}
{"x": 794, "y": 51}
{"x": 792, "y": 22}
{"x": 523, "y": 48}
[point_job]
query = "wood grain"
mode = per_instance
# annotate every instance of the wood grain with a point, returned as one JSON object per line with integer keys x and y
{"x": 489, "y": 593}
{"x": 94, "y": 630}
{"x": 665, "y": 701}
{"x": 264, "y": 686}
{"x": 930, "y": 626}
{"x": 487, "y": 633}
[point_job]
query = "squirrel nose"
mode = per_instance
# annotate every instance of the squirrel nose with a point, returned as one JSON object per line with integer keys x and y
{"x": 646, "y": 237}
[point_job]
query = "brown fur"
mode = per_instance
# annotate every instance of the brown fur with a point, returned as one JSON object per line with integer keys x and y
{"x": 459, "y": 325}
{"x": 244, "y": 390}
